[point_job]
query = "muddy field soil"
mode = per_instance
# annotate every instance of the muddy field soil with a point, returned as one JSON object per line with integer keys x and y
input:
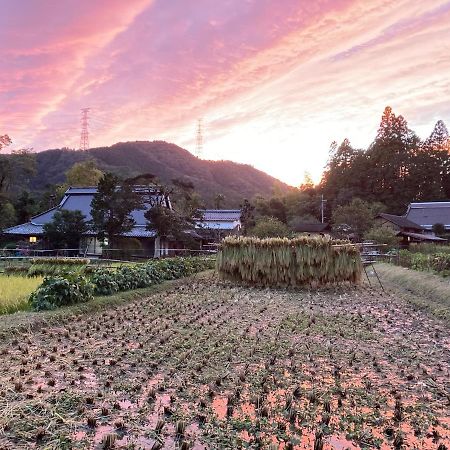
{"x": 207, "y": 364}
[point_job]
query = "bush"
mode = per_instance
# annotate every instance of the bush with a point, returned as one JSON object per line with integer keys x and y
{"x": 429, "y": 248}
{"x": 104, "y": 281}
{"x": 269, "y": 227}
{"x": 381, "y": 235}
{"x": 437, "y": 262}
{"x": 125, "y": 278}
{"x": 60, "y": 291}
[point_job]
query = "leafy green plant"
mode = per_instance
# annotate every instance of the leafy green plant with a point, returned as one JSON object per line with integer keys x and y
{"x": 60, "y": 291}
{"x": 128, "y": 277}
{"x": 104, "y": 281}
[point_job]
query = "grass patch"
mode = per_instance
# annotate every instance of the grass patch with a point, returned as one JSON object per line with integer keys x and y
{"x": 14, "y": 292}
{"x": 425, "y": 290}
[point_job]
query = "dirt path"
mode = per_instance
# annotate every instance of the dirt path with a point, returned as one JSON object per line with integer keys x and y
{"x": 211, "y": 365}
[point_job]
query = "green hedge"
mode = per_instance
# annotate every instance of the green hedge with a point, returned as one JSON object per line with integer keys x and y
{"x": 66, "y": 289}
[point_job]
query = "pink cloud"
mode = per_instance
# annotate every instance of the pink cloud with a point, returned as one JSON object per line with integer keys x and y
{"x": 263, "y": 74}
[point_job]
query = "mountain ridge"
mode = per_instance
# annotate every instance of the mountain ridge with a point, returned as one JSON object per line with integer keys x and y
{"x": 167, "y": 161}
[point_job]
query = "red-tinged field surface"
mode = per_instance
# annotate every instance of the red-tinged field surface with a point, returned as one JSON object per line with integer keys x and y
{"x": 207, "y": 364}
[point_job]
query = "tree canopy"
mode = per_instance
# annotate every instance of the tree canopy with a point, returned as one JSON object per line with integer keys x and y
{"x": 83, "y": 173}
{"x": 269, "y": 227}
{"x": 66, "y": 229}
{"x": 356, "y": 217}
{"x": 112, "y": 206}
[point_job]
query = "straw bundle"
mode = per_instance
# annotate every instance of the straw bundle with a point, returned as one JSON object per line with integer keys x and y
{"x": 288, "y": 262}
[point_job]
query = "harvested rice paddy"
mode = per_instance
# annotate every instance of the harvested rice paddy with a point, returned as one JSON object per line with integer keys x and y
{"x": 210, "y": 365}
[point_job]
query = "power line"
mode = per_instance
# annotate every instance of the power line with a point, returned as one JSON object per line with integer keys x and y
{"x": 84, "y": 138}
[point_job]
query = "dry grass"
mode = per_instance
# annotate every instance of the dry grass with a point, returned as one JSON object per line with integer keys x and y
{"x": 425, "y": 290}
{"x": 302, "y": 261}
{"x": 14, "y": 292}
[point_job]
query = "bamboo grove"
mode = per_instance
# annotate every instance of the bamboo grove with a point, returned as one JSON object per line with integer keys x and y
{"x": 302, "y": 261}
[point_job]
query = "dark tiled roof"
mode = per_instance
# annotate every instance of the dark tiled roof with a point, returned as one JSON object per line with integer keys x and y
{"x": 25, "y": 229}
{"x": 80, "y": 199}
{"x": 304, "y": 227}
{"x": 429, "y": 213}
{"x": 221, "y": 214}
{"x": 401, "y": 221}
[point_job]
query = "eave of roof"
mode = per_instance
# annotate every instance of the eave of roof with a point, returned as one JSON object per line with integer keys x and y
{"x": 422, "y": 237}
{"x": 400, "y": 221}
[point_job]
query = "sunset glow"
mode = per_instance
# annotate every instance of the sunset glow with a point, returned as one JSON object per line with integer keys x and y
{"x": 274, "y": 81}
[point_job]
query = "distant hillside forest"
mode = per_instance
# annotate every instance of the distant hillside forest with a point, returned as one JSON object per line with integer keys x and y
{"x": 167, "y": 162}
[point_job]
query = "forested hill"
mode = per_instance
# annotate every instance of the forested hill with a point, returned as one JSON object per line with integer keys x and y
{"x": 166, "y": 161}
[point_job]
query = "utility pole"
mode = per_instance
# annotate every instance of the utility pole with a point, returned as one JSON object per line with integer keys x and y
{"x": 322, "y": 205}
{"x": 199, "y": 139}
{"x": 84, "y": 137}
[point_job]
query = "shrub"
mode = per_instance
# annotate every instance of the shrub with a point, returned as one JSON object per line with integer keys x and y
{"x": 438, "y": 262}
{"x": 429, "y": 248}
{"x": 60, "y": 291}
{"x": 381, "y": 235}
{"x": 104, "y": 281}
{"x": 125, "y": 278}
{"x": 74, "y": 288}
{"x": 267, "y": 227}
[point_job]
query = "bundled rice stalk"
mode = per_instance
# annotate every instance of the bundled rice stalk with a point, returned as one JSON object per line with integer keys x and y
{"x": 300, "y": 261}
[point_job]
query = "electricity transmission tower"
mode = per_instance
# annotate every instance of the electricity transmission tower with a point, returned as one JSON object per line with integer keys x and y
{"x": 199, "y": 139}
{"x": 84, "y": 138}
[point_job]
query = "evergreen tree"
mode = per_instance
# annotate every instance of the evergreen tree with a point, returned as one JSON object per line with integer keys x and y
{"x": 439, "y": 139}
{"x": 435, "y": 156}
{"x": 391, "y": 157}
{"x": 66, "y": 229}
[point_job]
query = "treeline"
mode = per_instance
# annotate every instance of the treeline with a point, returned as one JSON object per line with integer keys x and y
{"x": 396, "y": 169}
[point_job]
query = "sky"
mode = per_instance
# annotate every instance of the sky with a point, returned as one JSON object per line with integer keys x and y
{"x": 274, "y": 81}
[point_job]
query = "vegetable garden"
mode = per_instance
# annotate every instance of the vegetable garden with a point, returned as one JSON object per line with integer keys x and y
{"x": 71, "y": 280}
